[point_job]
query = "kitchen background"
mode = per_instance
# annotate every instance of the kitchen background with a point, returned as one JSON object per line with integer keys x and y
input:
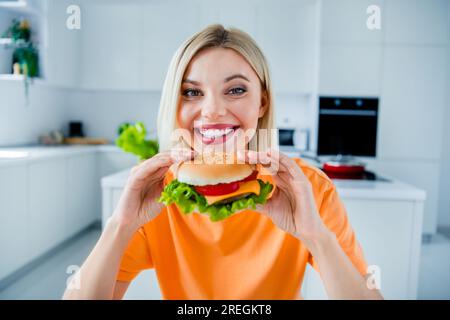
{"x": 110, "y": 69}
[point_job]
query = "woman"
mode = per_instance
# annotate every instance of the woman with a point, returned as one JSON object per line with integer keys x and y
{"x": 220, "y": 77}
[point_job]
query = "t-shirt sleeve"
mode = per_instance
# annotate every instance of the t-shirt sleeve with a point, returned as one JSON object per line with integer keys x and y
{"x": 136, "y": 257}
{"x": 334, "y": 215}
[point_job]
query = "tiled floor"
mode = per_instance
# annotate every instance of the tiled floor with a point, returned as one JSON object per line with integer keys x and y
{"x": 47, "y": 281}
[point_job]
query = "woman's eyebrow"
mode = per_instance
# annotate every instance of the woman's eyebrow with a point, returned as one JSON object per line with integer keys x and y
{"x": 191, "y": 81}
{"x": 234, "y": 76}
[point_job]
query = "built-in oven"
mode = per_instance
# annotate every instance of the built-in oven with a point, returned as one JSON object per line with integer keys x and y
{"x": 347, "y": 128}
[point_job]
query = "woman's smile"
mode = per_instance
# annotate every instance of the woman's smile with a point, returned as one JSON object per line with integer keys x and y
{"x": 215, "y": 133}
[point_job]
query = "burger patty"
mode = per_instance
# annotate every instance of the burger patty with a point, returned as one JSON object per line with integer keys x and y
{"x": 229, "y": 200}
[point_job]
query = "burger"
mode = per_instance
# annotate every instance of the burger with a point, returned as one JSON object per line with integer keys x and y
{"x": 216, "y": 185}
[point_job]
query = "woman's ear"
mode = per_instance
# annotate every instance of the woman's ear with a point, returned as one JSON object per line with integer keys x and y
{"x": 264, "y": 104}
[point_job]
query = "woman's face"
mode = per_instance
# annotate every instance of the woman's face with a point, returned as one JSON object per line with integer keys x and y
{"x": 221, "y": 99}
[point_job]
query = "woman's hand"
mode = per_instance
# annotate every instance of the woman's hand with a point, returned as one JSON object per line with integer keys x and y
{"x": 138, "y": 203}
{"x": 292, "y": 206}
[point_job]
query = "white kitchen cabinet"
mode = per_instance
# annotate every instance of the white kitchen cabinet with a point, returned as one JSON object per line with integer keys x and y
{"x": 164, "y": 27}
{"x": 244, "y": 18}
{"x": 46, "y": 204}
{"x": 14, "y": 215}
{"x": 390, "y": 234}
{"x": 413, "y": 96}
{"x": 350, "y": 70}
{"x": 291, "y": 47}
{"x": 82, "y": 193}
{"x": 50, "y": 196}
{"x": 421, "y": 22}
{"x": 129, "y": 47}
{"x": 344, "y": 22}
{"x": 61, "y": 49}
{"x": 111, "y": 161}
{"x": 424, "y": 174}
{"x": 111, "y": 45}
{"x": 350, "y": 53}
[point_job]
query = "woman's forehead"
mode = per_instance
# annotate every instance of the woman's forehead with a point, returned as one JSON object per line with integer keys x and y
{"x": 218, "y": 64}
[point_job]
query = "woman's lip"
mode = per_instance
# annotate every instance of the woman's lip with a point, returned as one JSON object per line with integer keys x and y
{"x": 219, "y": 126}
{"x": 218, "y": 140}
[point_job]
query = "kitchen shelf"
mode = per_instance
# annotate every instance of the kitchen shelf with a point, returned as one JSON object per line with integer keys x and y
{"x": 11, "y": 77}
{"x": 5, "y": 41}
{"x": 21, "y": 77}
{"x": 19, "y": 7}
{"x": 11, "y": 42}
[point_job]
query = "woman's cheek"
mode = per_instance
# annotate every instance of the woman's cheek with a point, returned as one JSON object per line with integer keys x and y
{"x": 186, "y": 115}
{"x": 247, "y": 113}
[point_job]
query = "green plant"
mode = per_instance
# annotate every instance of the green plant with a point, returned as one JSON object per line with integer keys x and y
{"x": 132, "y": 139}
{"x": 25, "y": 53}
{"x": 18, "y": 30}
{"x": 28, "y": 58}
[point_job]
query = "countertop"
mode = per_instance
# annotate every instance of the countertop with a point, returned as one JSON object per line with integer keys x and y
{"x": 360, "y": 189}
{"x": 347, "y": 189}
{"x": 25, "y": 154}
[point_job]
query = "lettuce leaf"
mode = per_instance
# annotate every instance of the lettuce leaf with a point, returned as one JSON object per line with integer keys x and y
{"x": 132, "y": 139}
{"x": 189, "y": 200}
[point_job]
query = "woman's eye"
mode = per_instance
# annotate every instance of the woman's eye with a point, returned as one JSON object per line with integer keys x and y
{"x": 191, "y": 92}
{"x": 237, "y": 91}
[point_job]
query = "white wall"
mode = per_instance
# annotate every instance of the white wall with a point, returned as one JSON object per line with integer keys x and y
{"x": 21, "y": 123}
{"x": 103, "y": 111}
{"x": 444, "y": 186}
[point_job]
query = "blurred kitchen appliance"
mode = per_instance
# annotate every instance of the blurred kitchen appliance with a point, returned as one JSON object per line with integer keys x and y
{"x": 347, "y": 128}
{"x": 76, "y": 129}
{"x": 296, "y": 138}
{"x": 286, "y": 137}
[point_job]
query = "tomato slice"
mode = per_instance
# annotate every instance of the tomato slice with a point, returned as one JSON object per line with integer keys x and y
{"x": 223, "y": 188}
{"x": 217, "y": 189}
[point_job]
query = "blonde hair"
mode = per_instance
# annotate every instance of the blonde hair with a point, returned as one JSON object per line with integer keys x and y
{"x": 215, "y": 36}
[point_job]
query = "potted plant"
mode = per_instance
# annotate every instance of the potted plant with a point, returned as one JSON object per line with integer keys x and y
{"x": 25, "y": 57}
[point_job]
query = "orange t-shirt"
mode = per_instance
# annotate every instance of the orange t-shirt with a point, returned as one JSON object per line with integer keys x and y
{"x": 242, "y": 257}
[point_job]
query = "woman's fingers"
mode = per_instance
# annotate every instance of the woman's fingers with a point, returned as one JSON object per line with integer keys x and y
{"x": 149, "y": 167}
{"x": 261, "y": 158}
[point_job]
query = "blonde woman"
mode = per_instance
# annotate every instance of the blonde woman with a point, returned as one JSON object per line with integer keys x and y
{"x": 220, "y": 78}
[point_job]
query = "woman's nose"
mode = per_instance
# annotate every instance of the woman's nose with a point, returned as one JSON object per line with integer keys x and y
{"x": 213, "y": 108}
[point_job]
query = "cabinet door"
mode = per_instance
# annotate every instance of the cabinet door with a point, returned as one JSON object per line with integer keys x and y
{"x": 413, "y": 96}
{"x": 350, "y": 70}
{"x": 402, "y": 17}
{"x": 345, "y": 22}
{"x": 288, "y": 36}
{"x": 83, "y": 193}
{"x": 47, "y": 204}
{"x": 115, "y": 161}
{"x": 385, "y": 230}
{"x": 243, "y": 19}
{"x": 421, "y": 174}
{"x": 111, "y": 45}
{"x": 61, "y": 55}
{"x": 165, "y": 26}
{"x": 14, "y": 222}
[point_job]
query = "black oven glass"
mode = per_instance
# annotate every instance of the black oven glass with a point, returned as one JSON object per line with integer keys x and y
{"x": 347, "y": 126}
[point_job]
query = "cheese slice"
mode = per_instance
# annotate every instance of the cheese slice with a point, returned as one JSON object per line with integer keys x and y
{"x": 244, "y": 187}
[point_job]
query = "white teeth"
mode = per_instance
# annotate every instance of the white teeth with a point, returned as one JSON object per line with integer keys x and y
{"x": 214, "y": 133}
